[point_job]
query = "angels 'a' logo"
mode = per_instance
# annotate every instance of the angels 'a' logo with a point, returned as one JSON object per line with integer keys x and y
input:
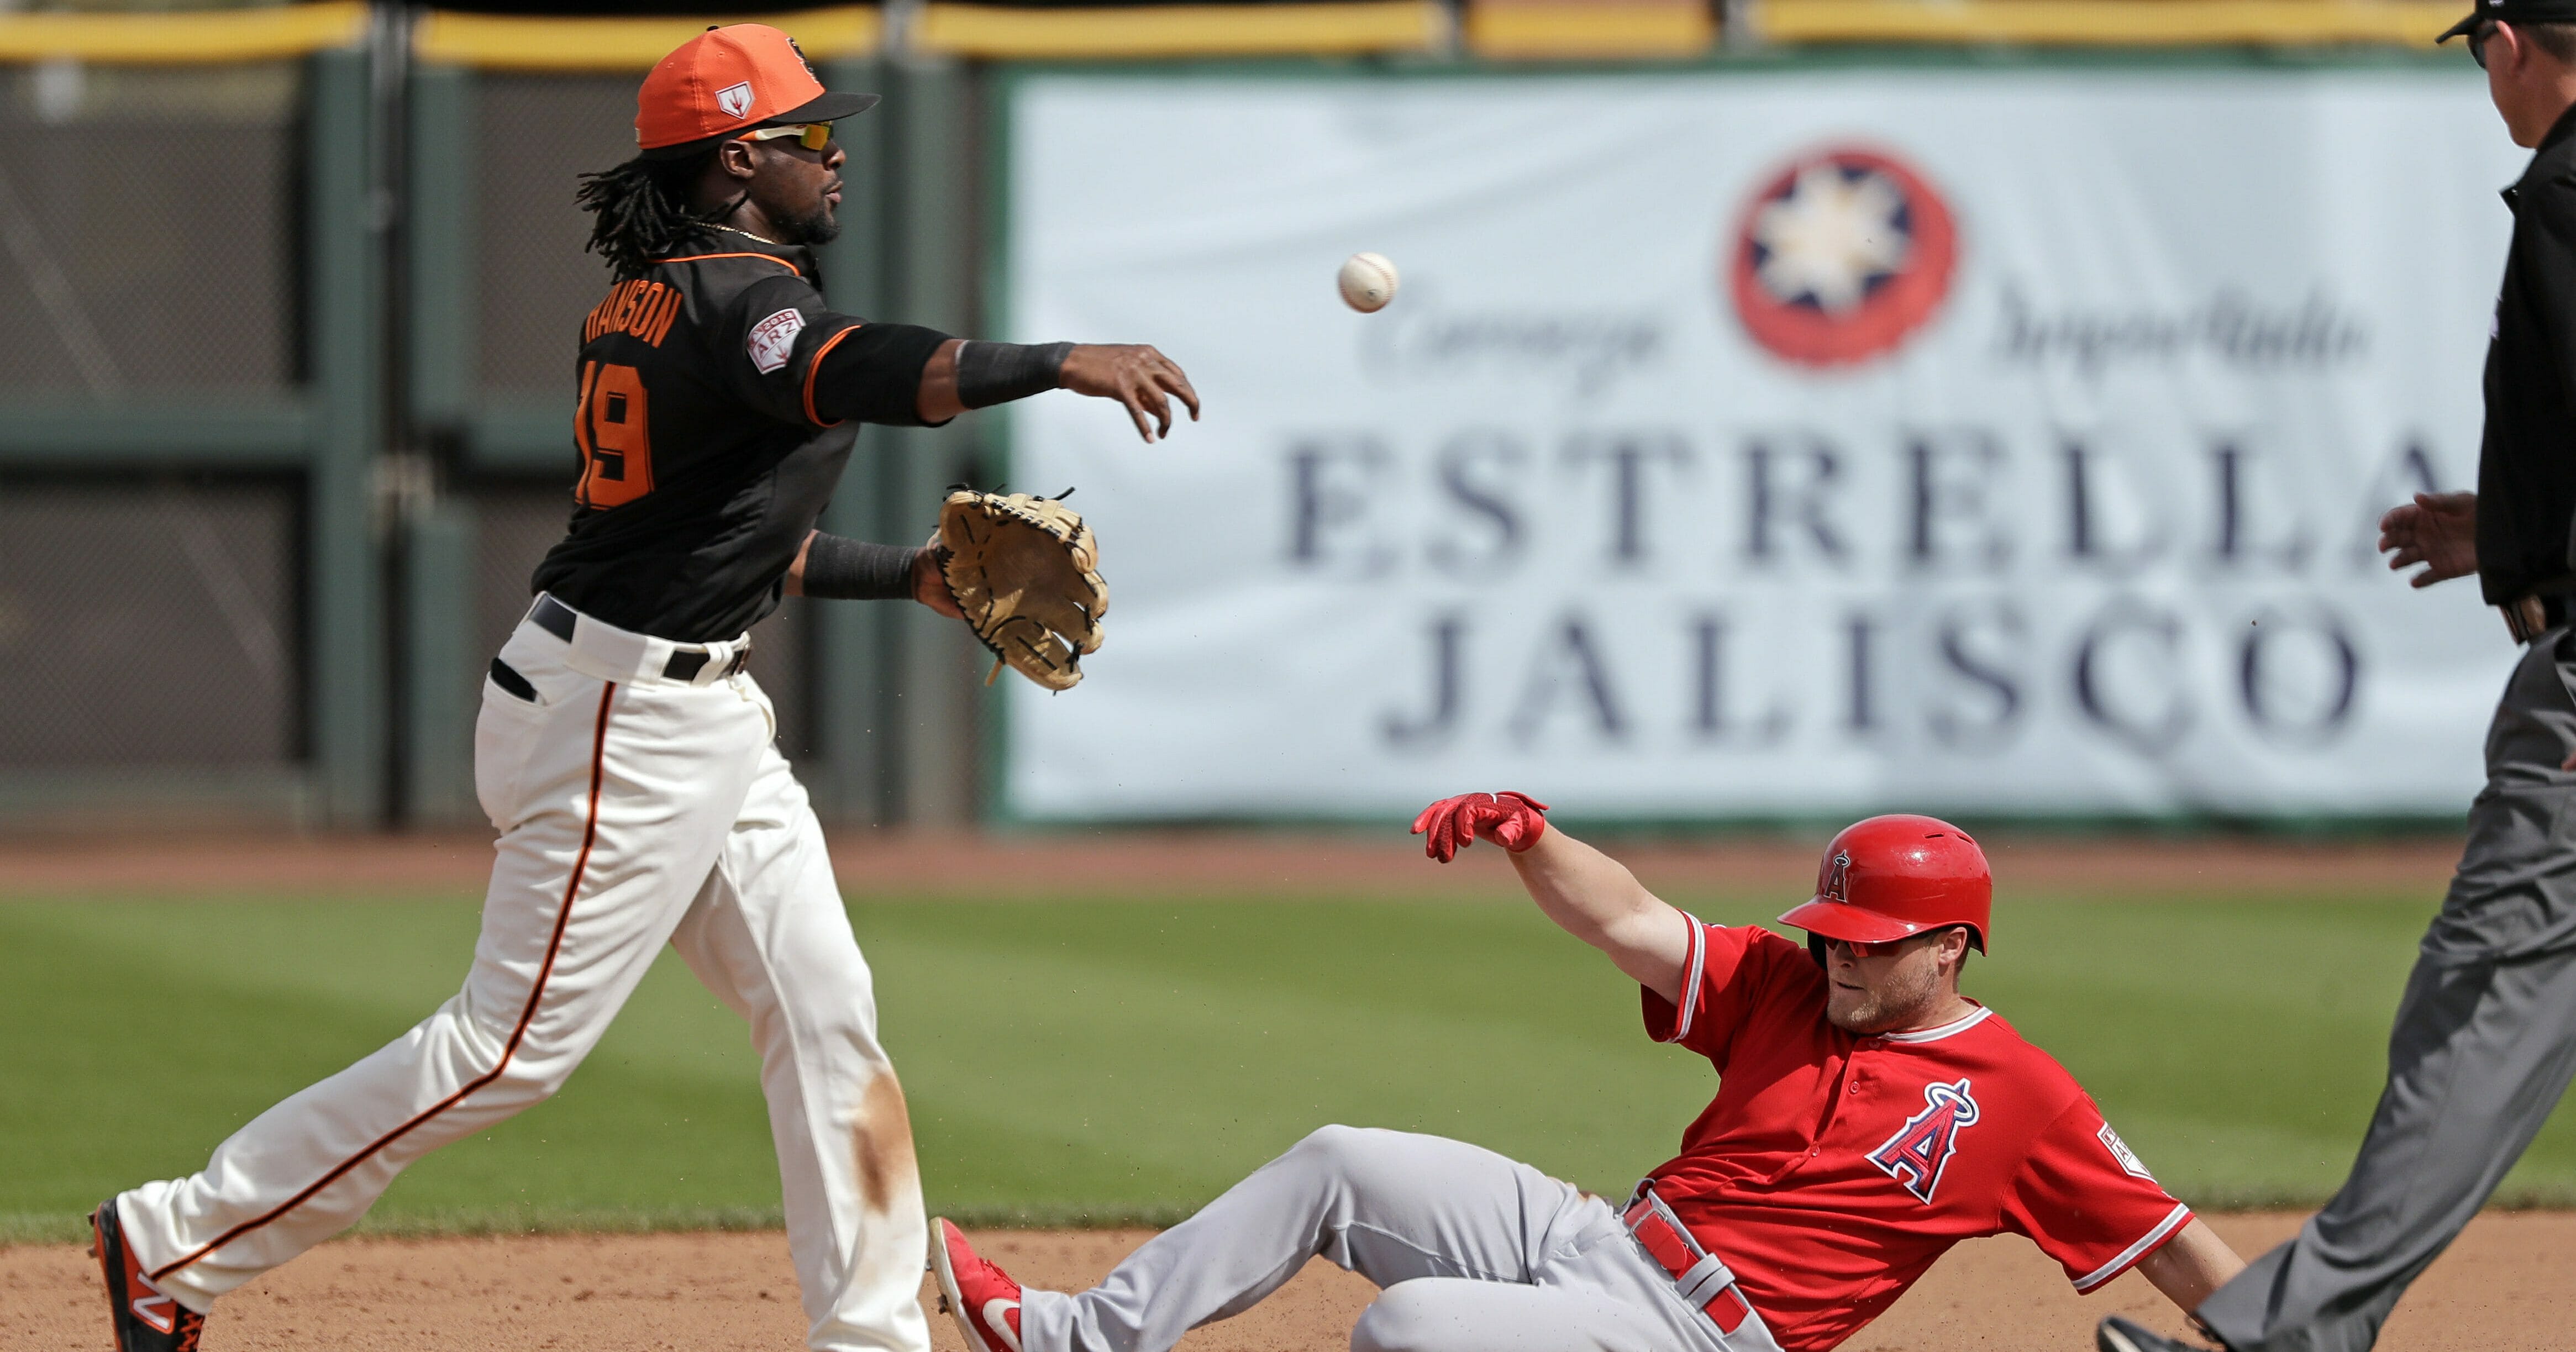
{"x": 1837, "y": 878}
{"x": 1920, "y": 1150}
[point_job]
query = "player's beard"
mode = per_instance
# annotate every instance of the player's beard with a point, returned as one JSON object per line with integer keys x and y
{"x": 1901, "y": 996}
{"x": 815, "y": 226}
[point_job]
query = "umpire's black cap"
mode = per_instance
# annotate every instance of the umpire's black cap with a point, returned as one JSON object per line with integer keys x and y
{"x": 2511, "y": 11}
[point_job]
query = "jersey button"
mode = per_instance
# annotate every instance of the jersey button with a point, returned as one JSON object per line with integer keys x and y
{"x": 1815, "y": 1150}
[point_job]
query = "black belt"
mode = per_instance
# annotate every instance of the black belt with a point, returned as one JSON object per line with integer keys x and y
{"x": 560, "y": 620}
{"x": 2533, "y": 614}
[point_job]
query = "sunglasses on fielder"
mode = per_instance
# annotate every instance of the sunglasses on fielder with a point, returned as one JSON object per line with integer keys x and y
{"x": 816, "y": 135}
{"x": 2478, "y": 43}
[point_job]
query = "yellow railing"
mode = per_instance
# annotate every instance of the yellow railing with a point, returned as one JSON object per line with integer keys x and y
{"x": 1362, "y": 27}
{"x": 2108, "y": 23}
{"x": 509, "y": 42}
{"x": 1498, "y": 29}
{"x": 182, "y": 38}
{"x": 1608, "y": 30}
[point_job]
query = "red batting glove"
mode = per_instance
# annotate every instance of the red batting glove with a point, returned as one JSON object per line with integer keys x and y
{"x": 1511, "y": 820}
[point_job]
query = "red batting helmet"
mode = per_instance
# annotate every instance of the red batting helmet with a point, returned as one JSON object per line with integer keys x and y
{"x": 1896, "y": 876}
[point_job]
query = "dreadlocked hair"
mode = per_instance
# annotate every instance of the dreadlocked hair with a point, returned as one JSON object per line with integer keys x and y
{"x": 642, "y": 210}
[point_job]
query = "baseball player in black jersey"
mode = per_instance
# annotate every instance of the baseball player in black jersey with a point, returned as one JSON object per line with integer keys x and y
{"x": 628, "y": 763}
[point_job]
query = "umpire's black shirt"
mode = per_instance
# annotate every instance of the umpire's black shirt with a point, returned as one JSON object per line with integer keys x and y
{"x": 2527, "y": 462}
{"x": 717, "y": 402}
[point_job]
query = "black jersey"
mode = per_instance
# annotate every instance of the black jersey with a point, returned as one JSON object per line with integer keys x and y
{"x": 2527, "y": 462}
{"x": 718, "y": 403}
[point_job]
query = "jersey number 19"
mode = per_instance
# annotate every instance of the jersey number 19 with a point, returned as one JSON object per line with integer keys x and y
{"x": 616, "y": 440}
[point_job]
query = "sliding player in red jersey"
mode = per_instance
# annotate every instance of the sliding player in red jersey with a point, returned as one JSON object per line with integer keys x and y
{"x": 1868, "y": 1116}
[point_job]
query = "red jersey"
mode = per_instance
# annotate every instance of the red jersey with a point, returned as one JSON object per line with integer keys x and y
{"x": 1831, "y": 1169}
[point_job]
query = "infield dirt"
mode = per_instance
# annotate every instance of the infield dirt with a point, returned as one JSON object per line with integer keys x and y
{"x": 2506, "y": 1284}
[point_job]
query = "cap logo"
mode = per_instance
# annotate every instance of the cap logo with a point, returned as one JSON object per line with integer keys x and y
{"x": 735, "y": 100}
{"x": 1837, "y": 878}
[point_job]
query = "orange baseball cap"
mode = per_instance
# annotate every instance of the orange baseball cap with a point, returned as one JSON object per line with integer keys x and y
{"x": 731, "y": 79}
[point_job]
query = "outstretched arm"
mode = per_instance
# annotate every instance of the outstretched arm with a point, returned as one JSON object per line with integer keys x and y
{"x": 965, "y": 374}
{"x": 1599, "y": 901}
{"x": 2190, "y": 1265}
{"x": 1593, "y": 896}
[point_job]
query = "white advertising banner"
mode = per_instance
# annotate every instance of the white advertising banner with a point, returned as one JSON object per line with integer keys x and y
{"x": 1800, "y": 442}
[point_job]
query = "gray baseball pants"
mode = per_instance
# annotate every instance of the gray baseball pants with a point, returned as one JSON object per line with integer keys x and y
{"x": 2484, "y": 1045}
{"x": 1477, "y": 1253}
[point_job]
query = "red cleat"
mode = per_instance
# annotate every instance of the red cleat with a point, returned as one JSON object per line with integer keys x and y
{"x": 982, "y": 1297}
{"x": 144, "y": 1320}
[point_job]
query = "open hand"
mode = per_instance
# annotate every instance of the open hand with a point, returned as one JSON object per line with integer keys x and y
{"x": 1135, "y": 375}
{"x": 2438, "y": 530}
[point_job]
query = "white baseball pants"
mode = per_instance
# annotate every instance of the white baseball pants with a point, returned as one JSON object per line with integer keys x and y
{"x": 634, "y": 810}
{"x": 1477, "y": 1252}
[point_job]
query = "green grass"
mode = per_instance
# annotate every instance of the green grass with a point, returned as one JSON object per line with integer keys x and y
{"x": 1091, "y": 1062}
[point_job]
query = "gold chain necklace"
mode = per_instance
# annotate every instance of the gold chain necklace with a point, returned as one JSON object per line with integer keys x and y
{"x": 748, "y": 235}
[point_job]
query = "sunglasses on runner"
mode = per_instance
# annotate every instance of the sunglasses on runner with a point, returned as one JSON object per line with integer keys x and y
{"x": 2478, "y": 43}
{"x": 1865, "y": 950}
{"x": 816, "y": 135}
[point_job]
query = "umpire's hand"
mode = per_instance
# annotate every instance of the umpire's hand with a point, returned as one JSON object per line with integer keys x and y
{"x": 1134, "y": 374}
{"x": 2438, "y": 530}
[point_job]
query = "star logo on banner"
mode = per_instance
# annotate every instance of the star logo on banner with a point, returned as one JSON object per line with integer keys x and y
{"x": 1839, "y": 257}
{"x": 1836, "y": 235}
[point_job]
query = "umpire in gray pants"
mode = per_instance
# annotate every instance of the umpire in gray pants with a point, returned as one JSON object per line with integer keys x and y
{"x": 2485, "y": 1040}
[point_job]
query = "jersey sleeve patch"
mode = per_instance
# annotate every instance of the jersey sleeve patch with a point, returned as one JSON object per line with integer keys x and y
{"x": 2086, "y": 1206}
{"x": 2126, "y": 1158}
{"x": 773, "y": 339}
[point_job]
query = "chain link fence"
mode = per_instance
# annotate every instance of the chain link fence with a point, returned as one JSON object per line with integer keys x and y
{"x": 535, "y": 136}
{"x": 148, "y": 624}
{"x": 149, "y": 229}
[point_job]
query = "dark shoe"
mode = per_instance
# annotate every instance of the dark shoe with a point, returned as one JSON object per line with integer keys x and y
{"x": 982, "y": 1297}
{"x": 144, "y": 1319}
{"x": 2115, "y": 1334}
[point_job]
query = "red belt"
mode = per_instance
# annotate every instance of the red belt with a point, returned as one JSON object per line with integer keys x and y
{"x": 1661, "y": 1234}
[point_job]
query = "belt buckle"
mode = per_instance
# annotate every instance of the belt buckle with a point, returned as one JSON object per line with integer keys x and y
{"x": 2526, "y": 617}
{"x": 690, "y": 664}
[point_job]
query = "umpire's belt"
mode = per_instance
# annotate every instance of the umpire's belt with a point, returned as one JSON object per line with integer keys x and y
{"x": 1703, "y": 1278}
{"x": 598, "y": 648}
{"x": 2533, "y": 614}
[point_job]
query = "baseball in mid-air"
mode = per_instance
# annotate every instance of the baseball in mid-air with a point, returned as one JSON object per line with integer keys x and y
{"x": 1368, "y": 282}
